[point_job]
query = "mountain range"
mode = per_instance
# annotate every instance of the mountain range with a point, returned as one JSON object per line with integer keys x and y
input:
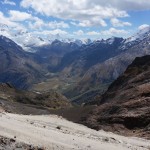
{"x": 78, "y": 69}
{"x": 105, "y": 72}
{"x": 30, "y": 42}
{"x": 108, "y": 78}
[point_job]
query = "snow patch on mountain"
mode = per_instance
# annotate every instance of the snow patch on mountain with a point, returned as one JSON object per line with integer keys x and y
{"x": 30, "y": 42}
{"x": 143, "y": 33}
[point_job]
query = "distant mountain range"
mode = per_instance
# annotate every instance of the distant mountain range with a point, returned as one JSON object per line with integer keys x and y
{"x": 101, "y": 62}
{"x": 73, "y": 67}
{"x": 30, "y": 42}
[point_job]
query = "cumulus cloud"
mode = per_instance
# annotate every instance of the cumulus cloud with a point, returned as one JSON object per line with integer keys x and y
{"x": 9, "y": 2}
{"x": 113, "y": 31}
{"x": 19, "y": 16}
{"x": 55, "y": 24}
{"x": 85, "y": 34}
{"x": 12, "y": 27}
{"x": 117, "y": 23}
{"x": 96, "y": 21}
{"x": 53, "y": 32}
{"x": 87, "y": 12}
{"x": 124, "y": 4}
{"x": 143, "y": 26}
{"x": 37, "y": 24}
{"x": 79, "y": 13}
{"x": 79, "y": 32}
{"x": 93, "y": 33}
{"x": 8, "y": 22}
{"x": 40, "y": 24}
{"x": 34, "y": 22}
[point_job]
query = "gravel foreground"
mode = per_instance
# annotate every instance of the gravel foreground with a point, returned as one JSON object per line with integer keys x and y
{"x": 12, "y": 144}
{"x": 51, "y": 132}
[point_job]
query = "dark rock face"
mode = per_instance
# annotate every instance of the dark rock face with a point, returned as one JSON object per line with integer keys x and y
{"x": 125, "y": 106}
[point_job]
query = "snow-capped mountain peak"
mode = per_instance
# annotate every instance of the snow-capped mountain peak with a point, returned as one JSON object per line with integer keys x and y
{"x": 140, "y": 35}
{"x": 136, "y": 38}
{"x": 29, "y": 41}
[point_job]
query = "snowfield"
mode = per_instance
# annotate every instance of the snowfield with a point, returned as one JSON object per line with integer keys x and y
{"x": 55, "y": 133}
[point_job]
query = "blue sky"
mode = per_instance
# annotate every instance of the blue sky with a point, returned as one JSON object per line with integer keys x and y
{"x": 76, "y": 18}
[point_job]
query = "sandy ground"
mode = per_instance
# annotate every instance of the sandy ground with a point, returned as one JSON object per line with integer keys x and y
{"x": 55, "y": 133}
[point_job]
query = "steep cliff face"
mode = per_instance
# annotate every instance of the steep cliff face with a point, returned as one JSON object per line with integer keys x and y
{"x": 125, "y": 106}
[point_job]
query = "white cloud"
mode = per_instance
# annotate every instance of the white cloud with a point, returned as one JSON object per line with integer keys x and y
{"x": 86, "y": 12}
{"x": 96, "y": 21}
{"x": 55, "y": 24}
{"x": 51, "y": 34}
{"x": 80, "y": 13}
{"x": 40, "y": 24}
{"x": 37, "y": 24}
{"x": 117, "y": 23}
{"x": 19, "y": 16}
{"x": 93, "y": 33}
{"x": 54, "y": 32}
{"x": 6, "y": 20}
{"x": 79, "y": 32}
{"x": 9, "y": 2}
{"x": 12, "y": 27}
{"x": 114, "y": 32}
{"x": 74, "y": 23}
{"x": 10, "y": 23}
{"x": 124, "y": 4}
{"x": 143, "y": 26}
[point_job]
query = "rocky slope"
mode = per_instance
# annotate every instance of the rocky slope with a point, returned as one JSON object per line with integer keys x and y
{"x": 125, "y": 106}
{"x": 49, "y": 99}
{"x": 17, "y": 66}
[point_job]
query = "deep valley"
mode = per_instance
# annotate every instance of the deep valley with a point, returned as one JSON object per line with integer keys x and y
{"x": 74, "y": 75}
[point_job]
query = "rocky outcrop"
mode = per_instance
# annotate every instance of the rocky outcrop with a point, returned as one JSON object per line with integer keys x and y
{"x": 125, "y": 106}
